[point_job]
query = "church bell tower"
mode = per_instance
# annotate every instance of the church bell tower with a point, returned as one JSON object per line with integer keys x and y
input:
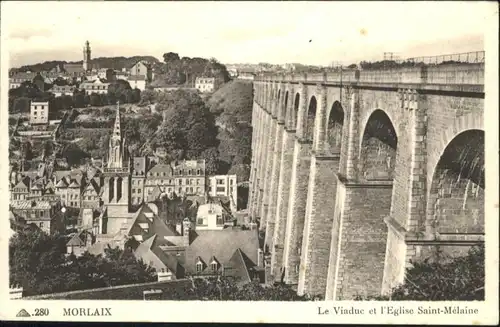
{"x": 87, "y": 57}
{"x": 117, "y": 171}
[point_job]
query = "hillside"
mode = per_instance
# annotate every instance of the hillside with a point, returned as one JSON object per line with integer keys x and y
{"x": 101, "y": 62}
{"x": 232, "y": 104}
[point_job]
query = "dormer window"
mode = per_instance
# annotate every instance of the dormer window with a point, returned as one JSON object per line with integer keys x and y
{"x": 200, "y": 265}
{"x": 214, "y": 266}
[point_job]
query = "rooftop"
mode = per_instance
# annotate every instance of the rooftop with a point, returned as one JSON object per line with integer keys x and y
{"x": 28, "y": 204}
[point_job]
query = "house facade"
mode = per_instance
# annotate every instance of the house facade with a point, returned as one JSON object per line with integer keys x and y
{"x": 207, "y": 84}
{"x": 39, "y": 113}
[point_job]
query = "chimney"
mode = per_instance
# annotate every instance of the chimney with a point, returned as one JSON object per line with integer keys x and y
{"x": 186, "y": 224}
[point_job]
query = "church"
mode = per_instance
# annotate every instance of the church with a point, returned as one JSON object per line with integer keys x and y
{"x": 116, "y": 175}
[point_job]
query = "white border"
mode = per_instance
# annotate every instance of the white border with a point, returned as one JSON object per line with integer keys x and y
{"x": 275, "y": 312}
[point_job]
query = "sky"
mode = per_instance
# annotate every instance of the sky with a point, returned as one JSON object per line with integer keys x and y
{"x": 316, "y": 33}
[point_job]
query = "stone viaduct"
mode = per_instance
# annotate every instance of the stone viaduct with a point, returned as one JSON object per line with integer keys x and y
{"x": 356, "y": 173}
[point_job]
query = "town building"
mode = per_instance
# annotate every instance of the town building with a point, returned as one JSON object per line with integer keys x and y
{"x": 138, "y": 82}
{"x": 39, "y": 113}
{"x": 207, "y": 84}
{"x": 44, "y": 214}
{"x": 98, "y": 86}
{"x": 141, "y": 68}
{"x": 225, "y": 187}
{"x": 213, "y": 216}
{"x": 62, "y": 90}
{"x": 120, "y": 75}
{"x": 18, "y": 78}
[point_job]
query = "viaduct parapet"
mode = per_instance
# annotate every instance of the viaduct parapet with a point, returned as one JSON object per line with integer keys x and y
{"x": 356, "y": 173}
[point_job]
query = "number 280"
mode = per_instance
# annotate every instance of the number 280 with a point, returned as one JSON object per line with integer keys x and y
{"x": 41, "y": 312}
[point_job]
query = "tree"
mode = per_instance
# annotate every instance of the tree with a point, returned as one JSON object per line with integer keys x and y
{"x": 48, "y": 148}
{"x": 119, "y": 90}
{"x": 148, "y": 97}
{"x": 170, "y": 56}
{"x": 439, "y": 278}
{"x": 79, "y": 99}
{"x": 95, "y": 100}
{"x": 21, "y": 104}
{"x": 27, "y": 150}
{"x": 74, "y": 154}
{"x": 38, "y": 263}
{"x": 187, "y": 124}
{"x": 211, "y": 156}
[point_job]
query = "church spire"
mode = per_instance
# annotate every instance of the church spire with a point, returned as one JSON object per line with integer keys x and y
{"x": 117, "y": 146}
{"x": 117, "y": 132}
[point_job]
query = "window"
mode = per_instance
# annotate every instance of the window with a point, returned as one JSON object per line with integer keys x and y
{"x": 41, "y": 225}
{"x": 231, "y": 189}
{"x": 200, "y": 221}
{"x": 199, "y": 267}
{"x": 180, "y": 189}
{"x": 230, "y": 182}
{"x": 214, "y": 266}
{"x": 133, "y": 190}
{"x": 139, "y": 191}
{"x": 220, "y": 181}
{"x": 219, "y": 220}
{"x": 198, "y": 182}
{"x": 180, "y": 181}
{"x": 221, "y": 189}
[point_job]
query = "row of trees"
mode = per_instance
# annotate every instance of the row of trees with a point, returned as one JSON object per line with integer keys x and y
{"x": 177, "y": 70}
{"x": 38, "y": 263}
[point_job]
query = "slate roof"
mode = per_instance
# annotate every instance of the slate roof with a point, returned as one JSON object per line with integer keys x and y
{"x": 73, "y": 68}
{"x": 221, "y": 244}
{"x": 30, "y": 204}
{"x": 78, "y": 239}
{"x": 92, "y": 185}
{"x": 155, "y": 226}
{"x": 160, "y": 168}
{"x": 137, "y": 78}
{"x": 152, "y": 255}
{"x": 20, "y": 185}
{"x": 62, "y": 183}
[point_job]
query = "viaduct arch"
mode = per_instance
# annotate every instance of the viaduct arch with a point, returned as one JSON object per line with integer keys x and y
{"x": 356, "y": 173}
